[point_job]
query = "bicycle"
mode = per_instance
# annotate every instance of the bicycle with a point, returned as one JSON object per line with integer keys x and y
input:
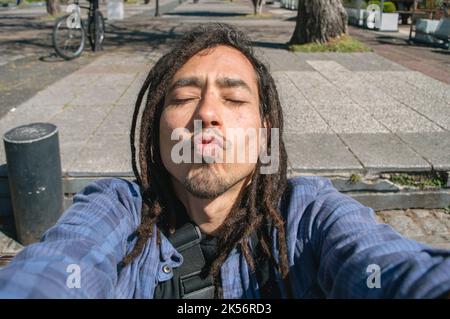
{"x": 70, "y": 31}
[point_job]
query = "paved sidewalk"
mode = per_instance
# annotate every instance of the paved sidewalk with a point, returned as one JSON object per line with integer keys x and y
{"x": 344, "y": 112}
{"x": 28, "y": 62}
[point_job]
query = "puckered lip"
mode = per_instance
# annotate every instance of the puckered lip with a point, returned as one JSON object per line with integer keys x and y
{"x": 209, "y": 136}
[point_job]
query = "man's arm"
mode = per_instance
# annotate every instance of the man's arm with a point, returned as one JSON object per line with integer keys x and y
{"x": 352, "y": 249}
{"x": 78, "y": 257}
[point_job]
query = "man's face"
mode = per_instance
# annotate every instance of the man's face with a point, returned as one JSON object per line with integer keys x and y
{"x": 217, "y": 88}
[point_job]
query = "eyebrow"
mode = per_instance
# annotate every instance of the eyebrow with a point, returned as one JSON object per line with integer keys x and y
{"x": 227, "y": 82}
{"x": 188, "y": 81}
{"x": 224, "y": 82}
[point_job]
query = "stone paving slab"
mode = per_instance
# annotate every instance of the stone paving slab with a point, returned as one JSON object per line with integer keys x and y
{"x": 317, "y": 89}
{"x": 388, "y": 111}
{"x": 435, "y": 147}
{"x": 384, "y": 152}
{"x": 118, "y": 121}
{"x": 283, "y": 60}
{"x": 319, "y": 152}
{"x": 348, "y": 118}
{"x": 424, "y": 83}
{"x": 299, "y": 115}
{"x": 398, "y": 118}
{"x": 359, "y": 61}
{"x": 104, "y": 155}
{"x": 426, "y": 104}
{"x": 360, "y": 91}
{"x": 437, "y": 198}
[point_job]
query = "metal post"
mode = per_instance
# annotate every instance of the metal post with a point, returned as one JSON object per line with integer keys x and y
{"x": 381, "y": 14}
{"x": 34, "y": 173}
{"x": 412, "y": 22}
{"x": 157, "y": 8}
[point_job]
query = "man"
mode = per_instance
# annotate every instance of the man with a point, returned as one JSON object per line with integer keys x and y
{"x": 219, "y": 227}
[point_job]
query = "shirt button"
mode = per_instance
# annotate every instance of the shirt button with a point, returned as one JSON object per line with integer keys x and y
{"x": 167, "y": 269}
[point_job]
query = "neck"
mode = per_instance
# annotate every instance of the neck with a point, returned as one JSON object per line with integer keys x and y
{"x": 208, "y": 214}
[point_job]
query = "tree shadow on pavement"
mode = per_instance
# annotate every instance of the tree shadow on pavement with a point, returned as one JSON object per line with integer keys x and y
{"x": 123, "y": 37}
{"x": 270, "y": 45}
{"x": 391, "y": 40}
{"x": 442, "y": 51}
{"x": 205, "y": 14}
{"x": 24, "y": 23}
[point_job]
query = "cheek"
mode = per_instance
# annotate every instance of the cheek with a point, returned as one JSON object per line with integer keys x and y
{"x": 244, "y": 118}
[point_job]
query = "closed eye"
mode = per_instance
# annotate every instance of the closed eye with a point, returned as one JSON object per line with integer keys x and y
{"x": 182, "y": 101}
{"x": 236, "y": 102}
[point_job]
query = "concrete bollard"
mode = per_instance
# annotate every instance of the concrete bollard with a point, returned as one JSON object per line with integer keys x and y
{"x": 34, "y": 173}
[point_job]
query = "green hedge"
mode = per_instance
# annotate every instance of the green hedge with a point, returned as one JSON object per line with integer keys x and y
{"x": 389, "y": 7}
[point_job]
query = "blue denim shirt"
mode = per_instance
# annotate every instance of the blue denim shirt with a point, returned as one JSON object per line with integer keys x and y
{"x": 332, "y": 242}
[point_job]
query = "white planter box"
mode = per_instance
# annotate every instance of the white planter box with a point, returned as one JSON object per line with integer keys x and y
{"x": 426, "y": 25}
{"x": 115, "y": 10}
{"x": 424, "y": 30}
{"x": 388, "y": 22}
{"x": 432, "y": 31}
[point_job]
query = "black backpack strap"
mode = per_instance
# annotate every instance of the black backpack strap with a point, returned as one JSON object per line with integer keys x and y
{"x": 187, "y": 282}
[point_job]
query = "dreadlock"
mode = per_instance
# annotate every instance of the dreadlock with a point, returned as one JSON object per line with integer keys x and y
{"x": 257, "y": 206}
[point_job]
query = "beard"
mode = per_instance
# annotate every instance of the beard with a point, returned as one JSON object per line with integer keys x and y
{"x": 203, "y": 182}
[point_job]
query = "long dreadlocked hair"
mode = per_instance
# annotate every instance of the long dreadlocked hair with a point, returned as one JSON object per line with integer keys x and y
{"x": 257, "y": 205}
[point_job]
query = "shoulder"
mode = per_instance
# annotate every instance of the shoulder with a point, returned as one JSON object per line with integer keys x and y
{"x": 312, "y": 199}
{"x": 110, "y": 190}
{"x": 106, "y": 201}
{"x": 112, "y": 186}
{"x": 304, "y": 190}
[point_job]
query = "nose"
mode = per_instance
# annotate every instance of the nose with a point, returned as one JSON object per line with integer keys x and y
{"x": 208, "y": 110}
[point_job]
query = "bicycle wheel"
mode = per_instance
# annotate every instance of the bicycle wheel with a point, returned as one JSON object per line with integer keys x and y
{"x": 68, "y": 37}
{"x": 96, "y": 31}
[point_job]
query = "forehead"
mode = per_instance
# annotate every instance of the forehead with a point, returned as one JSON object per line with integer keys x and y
{"x": 218, "y": 61}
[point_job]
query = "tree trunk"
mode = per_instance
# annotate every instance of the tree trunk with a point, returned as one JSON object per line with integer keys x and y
{"x": 53, "y": 7}
{"x": 260, "y": 6}
{"x": 257, "y": 6}
{"x": 319, "y": 21}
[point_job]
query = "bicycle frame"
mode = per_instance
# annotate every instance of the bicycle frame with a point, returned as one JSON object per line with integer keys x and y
{"x": 93, "y": 6}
